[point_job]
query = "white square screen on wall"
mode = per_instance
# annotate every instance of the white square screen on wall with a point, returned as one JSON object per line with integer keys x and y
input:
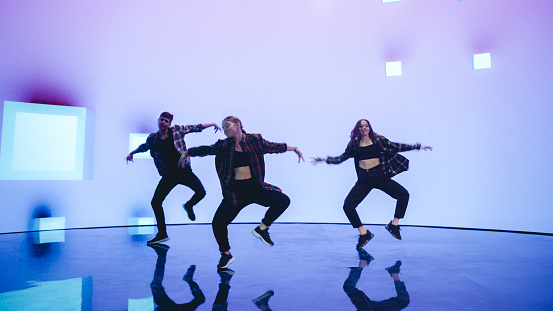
{"x": 45, "y": 142}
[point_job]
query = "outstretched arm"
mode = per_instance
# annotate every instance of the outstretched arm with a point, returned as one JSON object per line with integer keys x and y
{"x": 200, "y": 151}
{"x": 297, "y": 151}
{"x": 317, "y": 160}
{"x": 217, "y": 128}
{"x": 348, "y": 153}
{"x": 141, "y": 148}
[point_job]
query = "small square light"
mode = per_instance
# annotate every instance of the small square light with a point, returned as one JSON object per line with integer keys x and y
{"x": 50, "y": 230}
{"x": 393, "y": 69}
{"x": 135, "y": 140}
{"x": 482, "y": 61}
{"x": 141, "y": 225}
{"x": 142, "y": 304}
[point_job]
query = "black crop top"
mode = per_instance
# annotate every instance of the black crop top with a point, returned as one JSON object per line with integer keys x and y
{"x": 368, "y": 152}
{"x": 240, "y": 159}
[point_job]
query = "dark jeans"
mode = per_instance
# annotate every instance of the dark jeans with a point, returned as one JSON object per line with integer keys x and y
{"x": 247, "y": 191}
{"x": 167, "y": 183}
{"x": 371, "y": 179}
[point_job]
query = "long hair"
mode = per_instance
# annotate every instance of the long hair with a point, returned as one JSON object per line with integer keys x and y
{"x": 233, "y": 119}
{"x": 355, "y": 136}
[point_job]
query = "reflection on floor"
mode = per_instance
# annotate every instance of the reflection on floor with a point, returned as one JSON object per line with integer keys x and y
{"x": 311, "y": 267}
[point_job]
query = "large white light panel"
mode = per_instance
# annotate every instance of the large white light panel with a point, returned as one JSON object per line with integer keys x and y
{"x": 50, "y": 144}
{"x": 389, "y": 1}
{"x": 482, "y": 61}
{"x": 135, "y": 140}
{"x": 393, "y": 69}
{"x": 46, "y": 142}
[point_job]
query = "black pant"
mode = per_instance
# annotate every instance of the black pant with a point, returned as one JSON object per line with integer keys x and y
{"x": 167, "y": 183}
{"x": 247, "y": 191}
{"x": 368, "y": 180}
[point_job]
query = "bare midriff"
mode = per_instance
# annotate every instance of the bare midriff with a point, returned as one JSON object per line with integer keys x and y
{"x": 243, "y": 172}
{"x": 369, "y": 163}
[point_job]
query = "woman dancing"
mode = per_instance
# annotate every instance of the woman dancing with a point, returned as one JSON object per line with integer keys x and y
{"x": 376, "y": 162}
{"x": 241, "y": 170}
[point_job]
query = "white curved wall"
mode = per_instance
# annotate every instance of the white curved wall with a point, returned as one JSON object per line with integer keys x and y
{"x": 301, "y": 72}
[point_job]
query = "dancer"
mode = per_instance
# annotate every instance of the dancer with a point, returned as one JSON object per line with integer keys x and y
{"x": 163, "y": 302}
{"x": 376, "y": 162}
{"x": 361, "y": 301}
{"x": 166, "y": 147}
{"x": 241, "y": 169}
{"x": 221, "y": 299}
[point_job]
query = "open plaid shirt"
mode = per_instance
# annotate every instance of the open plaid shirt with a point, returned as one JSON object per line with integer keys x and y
{"x": 178, "y": 138}
{"x": 393, "y": 162}
{"x": 254, "y": 145}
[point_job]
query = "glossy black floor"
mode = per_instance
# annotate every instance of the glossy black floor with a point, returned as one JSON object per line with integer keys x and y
{"x": 311, "y": 267}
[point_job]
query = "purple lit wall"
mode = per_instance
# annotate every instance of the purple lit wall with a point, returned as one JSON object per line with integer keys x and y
{"x": 301, "y": 72}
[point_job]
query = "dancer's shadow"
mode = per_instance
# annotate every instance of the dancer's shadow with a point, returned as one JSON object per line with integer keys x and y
{"x": 161, "y": 299}
{"x": 362, "y": 301}
{"x": 221, "y": 300}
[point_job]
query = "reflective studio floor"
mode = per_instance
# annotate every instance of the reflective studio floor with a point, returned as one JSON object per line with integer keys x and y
{"x": 311, "y": 267}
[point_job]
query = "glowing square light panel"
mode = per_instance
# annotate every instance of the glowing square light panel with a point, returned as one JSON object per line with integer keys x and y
{"x": 141, "y": 225}
{"x": 135, "y": 140}
{"x": 389, "y": 1}
{"x": 393, "y": 69}
{"x": 46, "y": 142}
{"x": 143, "y": 304}
{"x": 482, "y": 61}
{"x": 49, "y": 230}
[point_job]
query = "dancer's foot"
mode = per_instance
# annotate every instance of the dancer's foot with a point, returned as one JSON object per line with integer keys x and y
{"x": 226, "y": 259}
{"x": 263, "y": 235}
{"x": 190, "y": 211}
{"x": 364, "y": 239}
{"x": 394, "y": 269}
{"x": 394, "y": 230}
{"x": 158, "y": 239}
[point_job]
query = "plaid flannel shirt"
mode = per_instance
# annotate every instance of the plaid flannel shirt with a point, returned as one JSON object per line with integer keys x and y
{"x": 178, "y": 138}
{"x": 255, "y": 147}
{"x": 393, "y": 162}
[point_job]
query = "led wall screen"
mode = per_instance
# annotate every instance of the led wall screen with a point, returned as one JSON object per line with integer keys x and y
{"x": 45, "y": 142}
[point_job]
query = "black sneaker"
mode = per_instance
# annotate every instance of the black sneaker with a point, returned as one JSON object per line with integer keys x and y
{"x": 394, "y": 230}
{"x": 163, "y": 248}
{"x": 263, "y": 300}
{"x": 364, "y": 239}
{"x": 394, "y": 269}
{"x": 190, "y": 211}
{"x": 189, "y": 273}
{"x": 225, "y": 261}
{"x": 158, "y": 239}
{"x": 263, "y": 235}
{"x": 225, "y": 274}
{"x": 363, "y": 255}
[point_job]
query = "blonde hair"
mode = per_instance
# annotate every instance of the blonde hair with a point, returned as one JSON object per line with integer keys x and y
{"x": 233, "y": 119}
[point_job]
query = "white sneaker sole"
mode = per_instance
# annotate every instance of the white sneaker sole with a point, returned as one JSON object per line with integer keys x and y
{"x": 228, "y": 263}
{"x": 257, "y": 235}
